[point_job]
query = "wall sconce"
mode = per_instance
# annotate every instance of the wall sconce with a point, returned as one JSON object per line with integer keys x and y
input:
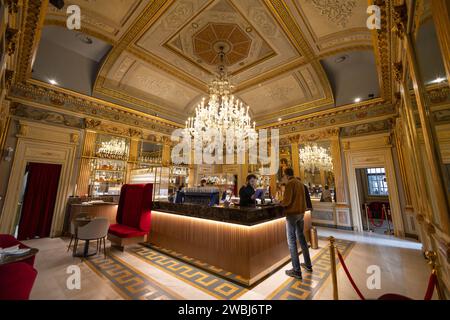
{"x": 9, "y": 153}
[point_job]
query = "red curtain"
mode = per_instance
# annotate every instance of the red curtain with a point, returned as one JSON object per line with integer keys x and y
{"x": 39, "y": 200}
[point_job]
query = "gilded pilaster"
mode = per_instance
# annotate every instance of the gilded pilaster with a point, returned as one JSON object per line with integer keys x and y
{"x": 166, "y": 152}
{"x": 88, "y": 152}
{"x": 295, "y": 158}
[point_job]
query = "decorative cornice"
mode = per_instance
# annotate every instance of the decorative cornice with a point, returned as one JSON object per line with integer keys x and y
{"x": 38, "y": 114}
{"x": 382, "y": 44}
{"x": 367, "y": 128}
{"x": 439, "y": 95}
{"x": 34, "y": 14}
{"x": 37, "y": 93}
{"x": 318, "y": 135}
{"x": 341, "y": 118}
{"x": 84, "y": 29}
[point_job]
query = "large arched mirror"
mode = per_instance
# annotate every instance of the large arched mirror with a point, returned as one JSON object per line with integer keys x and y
{"x": 436, "y": 97}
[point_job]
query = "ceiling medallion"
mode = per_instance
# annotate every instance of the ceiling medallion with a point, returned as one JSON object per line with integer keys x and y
{"x": 223, "y": 114}
{"x": 335, "y": 10}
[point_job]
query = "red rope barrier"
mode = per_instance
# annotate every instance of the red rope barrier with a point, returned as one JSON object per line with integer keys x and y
{"x": 372, "y": 222}
{"x": 341, "y": 259}
{"x": 428, "y": 295}
{"x": 431, "y": 286}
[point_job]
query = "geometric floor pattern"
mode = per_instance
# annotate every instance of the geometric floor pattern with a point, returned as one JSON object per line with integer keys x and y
{"x": 208, "y": 282}
{"x": 293, "y": 289}
{"x": 127, "y": 281}
{"x": 134, "y": 285}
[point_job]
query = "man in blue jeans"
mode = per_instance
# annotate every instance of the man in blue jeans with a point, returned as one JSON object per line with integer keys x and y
{"x": 294, "y": 203}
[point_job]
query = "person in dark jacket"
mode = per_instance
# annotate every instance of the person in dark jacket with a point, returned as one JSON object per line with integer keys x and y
{"x": 307, "y": 196}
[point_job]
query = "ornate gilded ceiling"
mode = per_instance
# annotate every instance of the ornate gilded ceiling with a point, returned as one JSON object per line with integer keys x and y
{"x": 164, "y": 53}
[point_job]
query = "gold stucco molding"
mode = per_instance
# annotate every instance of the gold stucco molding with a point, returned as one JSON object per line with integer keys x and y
{"x": 398, "y": 71}
{"x": 11, "y": 40}
{"x": 13, "y": 6}
{"x": 34, "y": 14}
{"x": 46, "y": 96}
{"x": 74, "y": 137}
{"x": 319, "y": 135}
{"x": 400, "y": 16}
{"x": 382, "y": 39}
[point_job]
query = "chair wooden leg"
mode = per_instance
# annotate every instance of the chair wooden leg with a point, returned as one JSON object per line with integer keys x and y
{"x": 99, "y": 245}
{"x": 75, "y": 246}
{"x": 70, "y": 243}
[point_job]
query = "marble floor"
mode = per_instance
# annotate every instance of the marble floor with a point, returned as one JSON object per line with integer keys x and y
{"x": 403, "y": 270}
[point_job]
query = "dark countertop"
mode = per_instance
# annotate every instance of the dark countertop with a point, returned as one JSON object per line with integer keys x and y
{"x": 96, "y": 204}
{"x": 247, "y": 216}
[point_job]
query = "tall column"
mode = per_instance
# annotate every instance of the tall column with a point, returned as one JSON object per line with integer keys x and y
{"x": 295, "y": 157}
{"x": 441, "y": 15}
{"x": 413, "y": 142}
{"x": 85, "y": 170}
{"x": 4, "y": 121}
{"x": 166, "y": 153}
{"x": 323, "y": 179}
{"x": 132, "y": 158}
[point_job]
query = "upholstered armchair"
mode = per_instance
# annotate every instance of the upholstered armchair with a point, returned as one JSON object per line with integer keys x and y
{"x": 133, "y": 215}
{"x": 16, "y": 279}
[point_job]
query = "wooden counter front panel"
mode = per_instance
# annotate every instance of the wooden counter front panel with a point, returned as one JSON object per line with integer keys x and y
{"x": 250, "y": 252}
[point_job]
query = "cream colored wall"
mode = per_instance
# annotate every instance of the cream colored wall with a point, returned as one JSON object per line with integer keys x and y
{"x": 38, "y": 142}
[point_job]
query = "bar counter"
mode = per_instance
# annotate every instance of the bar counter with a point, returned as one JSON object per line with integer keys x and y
{"x": 247, "y": 216}
{"x": 247, "y": 243}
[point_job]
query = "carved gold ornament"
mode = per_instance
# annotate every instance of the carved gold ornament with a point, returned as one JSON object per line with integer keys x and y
{"x": 400, "y": 15}
{"x": 11, "y": 40}
{"x": 336, "y": 11}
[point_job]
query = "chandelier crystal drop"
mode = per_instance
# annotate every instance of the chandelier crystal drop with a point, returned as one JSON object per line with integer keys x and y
{"x": 222, "y": 113}
{"x": 313, "y": 157}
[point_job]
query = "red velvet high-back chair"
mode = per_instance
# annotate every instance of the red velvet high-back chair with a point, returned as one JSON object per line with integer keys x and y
{"x": 133, "y": 215}
{"x": 17, "y": 278}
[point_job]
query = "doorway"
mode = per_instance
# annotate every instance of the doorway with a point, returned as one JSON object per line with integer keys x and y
{"x": 39, "y": 198}
{"x": 373, "y": 195}
{"x": 360, "y": 157}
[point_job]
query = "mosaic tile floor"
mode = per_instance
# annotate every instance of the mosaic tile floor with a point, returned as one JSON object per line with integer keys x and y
{"x": 132, "y": 284}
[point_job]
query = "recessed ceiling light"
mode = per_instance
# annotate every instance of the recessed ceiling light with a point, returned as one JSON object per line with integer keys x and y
{"x": 357, "y": 100}
{"x": 341, "y": 59}
{"x": 84, "y": 38}
{"x": 438, "y": 80}
{"x": 53, "y": 82}
{"x": 279, "y": 119}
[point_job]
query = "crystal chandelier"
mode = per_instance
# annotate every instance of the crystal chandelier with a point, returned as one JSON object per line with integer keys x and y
{"x": 313, "y": 157}
{"x": 114, "y": 148}
{"x": 223, "y": 113}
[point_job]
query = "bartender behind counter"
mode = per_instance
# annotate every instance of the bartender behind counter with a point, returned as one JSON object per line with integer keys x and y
{"x": 247, "y": 193}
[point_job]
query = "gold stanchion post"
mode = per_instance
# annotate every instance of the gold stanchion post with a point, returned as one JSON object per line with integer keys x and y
{"x": 431, "y": 256}
{"x": 333, "y": 268}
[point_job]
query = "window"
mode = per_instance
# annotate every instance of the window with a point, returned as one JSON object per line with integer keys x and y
{"x": 376, "y": 178}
